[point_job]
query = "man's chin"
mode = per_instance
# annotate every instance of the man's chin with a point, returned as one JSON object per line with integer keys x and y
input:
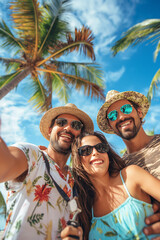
{"x": 126, "y": 135}
{"x": 63, "y": 149}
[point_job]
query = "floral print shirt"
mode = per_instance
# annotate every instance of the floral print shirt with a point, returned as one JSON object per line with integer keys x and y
{"x": 36, "y": 210}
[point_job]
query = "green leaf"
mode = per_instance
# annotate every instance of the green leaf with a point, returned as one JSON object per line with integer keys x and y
{"x": 34, "y": 219}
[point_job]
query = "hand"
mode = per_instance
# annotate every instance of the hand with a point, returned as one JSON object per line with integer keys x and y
{"x": 153, "y": 221}
{"x": 70, "y": 230}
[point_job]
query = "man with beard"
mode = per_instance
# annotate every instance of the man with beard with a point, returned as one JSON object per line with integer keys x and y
{"x": 122, "y": 114}
{"x": 39, "y": 183}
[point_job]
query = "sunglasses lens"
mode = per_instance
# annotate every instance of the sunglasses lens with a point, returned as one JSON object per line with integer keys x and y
{"x": 102, "y": 148}
{"x": 126, "y": 109}
{"x": 85, "y": 150}
{"x": 113, "y": 115}
{"x": 61, "y": 122}
{"x": 77, "y": 125}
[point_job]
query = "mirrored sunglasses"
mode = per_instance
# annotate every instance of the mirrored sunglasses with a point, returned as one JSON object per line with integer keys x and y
{"x": 126, "y": 109}
{"x": 87, "y": 149}
{"x": 76, "y": 125}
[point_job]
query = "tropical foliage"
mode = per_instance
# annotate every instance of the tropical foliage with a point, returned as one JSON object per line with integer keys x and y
{"x": 148, "y": 30}
{"x": 39, "y": 39}
{"x": 2, "y": 210}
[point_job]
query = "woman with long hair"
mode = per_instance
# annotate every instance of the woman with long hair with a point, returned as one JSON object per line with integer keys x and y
{"x": 114, "y": 199}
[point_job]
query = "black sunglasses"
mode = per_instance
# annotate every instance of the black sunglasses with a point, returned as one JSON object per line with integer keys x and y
{"x": 87, "y": 149}
{"x": 76, "y": 125}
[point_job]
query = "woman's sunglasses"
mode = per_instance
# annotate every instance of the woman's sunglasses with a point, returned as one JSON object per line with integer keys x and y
{"x": 126, "y": 109}
{"x": 87, "y": 149}
{"x": 76, "y": 125}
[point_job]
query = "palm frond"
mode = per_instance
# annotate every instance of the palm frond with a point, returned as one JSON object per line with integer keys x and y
{"x": 27, "y": 15}
{"x": 138, "y": 33}
{"x": 150, "y": 132}
{"x": 7, "y": 37}
{"x": 60, "y": 87}
{"x": 13, "y": 80}
{"x": 90, "y": 71}
{"x": 157, "y": 51}
{"x": 89, "y": 88}
{"x": 82, "y": 42}
{"x": 12, "y": 64}
{"x": 154, "y": 85}
{"x": 54, "y": 28}
{"x": 39, "y": 97}
{"x": 2, "y": 206}
{"x": 4, "y": 80}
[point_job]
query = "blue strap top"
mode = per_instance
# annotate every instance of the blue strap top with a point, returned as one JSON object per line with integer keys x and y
{"x": 124, "y": 222}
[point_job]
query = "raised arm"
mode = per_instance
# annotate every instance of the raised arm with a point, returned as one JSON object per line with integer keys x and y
{"x": 151, "y": 186}
{"x": 13, "y": 162}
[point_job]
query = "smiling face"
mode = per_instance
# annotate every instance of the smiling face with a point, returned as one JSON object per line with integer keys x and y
{"x": 62, "y": 137}
{"x": 95, "y": 164}
{"x": 126, "y": 125}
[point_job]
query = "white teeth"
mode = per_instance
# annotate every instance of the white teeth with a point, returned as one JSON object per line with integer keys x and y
{"x": 66, "y": 136}
{"x": 125, "y": 124}
{"x": 96, "y": 161}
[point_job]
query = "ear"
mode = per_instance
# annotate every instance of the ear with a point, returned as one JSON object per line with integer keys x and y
{"x": 109, "y": 124}
{"x": 49, "y": 131}
{"x": 139, "y": 111}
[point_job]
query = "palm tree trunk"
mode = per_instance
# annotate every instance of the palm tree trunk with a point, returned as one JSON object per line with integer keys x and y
{"x": 11, "y": 85}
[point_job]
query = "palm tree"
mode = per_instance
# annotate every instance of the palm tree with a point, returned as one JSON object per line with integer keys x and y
{"x": 144, "y": 31}
{"x": 40, "y": 36}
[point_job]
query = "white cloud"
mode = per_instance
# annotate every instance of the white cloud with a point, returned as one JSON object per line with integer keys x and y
{"x": 105, "y": 18}
{"x": 114, "y": 76}
{"x": 152, "y": 117}
{"x": 14, "y": 112}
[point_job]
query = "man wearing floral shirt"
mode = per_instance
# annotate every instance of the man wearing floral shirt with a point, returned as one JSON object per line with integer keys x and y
{"x": 36, "y": 209}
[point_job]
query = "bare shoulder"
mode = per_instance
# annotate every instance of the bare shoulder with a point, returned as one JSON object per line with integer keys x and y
{"x": 132, "y": 168}
{"x": 133, "y": 172}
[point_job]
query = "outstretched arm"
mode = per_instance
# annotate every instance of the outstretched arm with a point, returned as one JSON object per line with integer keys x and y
{"x": 13, "y": 162}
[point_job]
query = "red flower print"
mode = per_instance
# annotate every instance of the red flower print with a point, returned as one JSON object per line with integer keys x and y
{"x": 65, "y": 189}
{"x": 41, "y": 193}
{"x": 8, "y": 219}
{"x": 63, "y": 222}
{"x": 71, "y": 216}
{"x": 60, "y": 172}
{"x": 70, "y": 180}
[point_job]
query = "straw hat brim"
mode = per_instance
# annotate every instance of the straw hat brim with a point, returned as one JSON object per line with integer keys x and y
{"x": 135, "y": 97}
{"x": 54, "y": 112}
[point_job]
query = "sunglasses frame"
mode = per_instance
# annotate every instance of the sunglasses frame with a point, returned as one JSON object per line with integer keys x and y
{"x": 71, "y": 123}
{"x": 91, "y": 148}
{"x": 116, "y": 112}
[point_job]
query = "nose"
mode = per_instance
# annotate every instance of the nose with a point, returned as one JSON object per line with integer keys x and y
{"x": 121, "y": 116}
{"x": 94, "y": 152}
{"x": 68, "y": 127}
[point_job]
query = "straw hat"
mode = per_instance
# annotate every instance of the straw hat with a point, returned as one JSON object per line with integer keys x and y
{"x": 113, "y": 96}
{"x": 67, "y": 109}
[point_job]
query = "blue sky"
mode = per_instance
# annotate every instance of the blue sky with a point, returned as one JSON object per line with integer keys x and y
{"x": 132, "y": 69}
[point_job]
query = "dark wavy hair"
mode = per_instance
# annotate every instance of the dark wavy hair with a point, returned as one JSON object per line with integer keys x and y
{"x": 85, "y": 189}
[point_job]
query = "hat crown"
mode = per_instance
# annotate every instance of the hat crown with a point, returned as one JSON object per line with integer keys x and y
{"x": 111, "y": 94}
{"x": 71, "y": 105}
